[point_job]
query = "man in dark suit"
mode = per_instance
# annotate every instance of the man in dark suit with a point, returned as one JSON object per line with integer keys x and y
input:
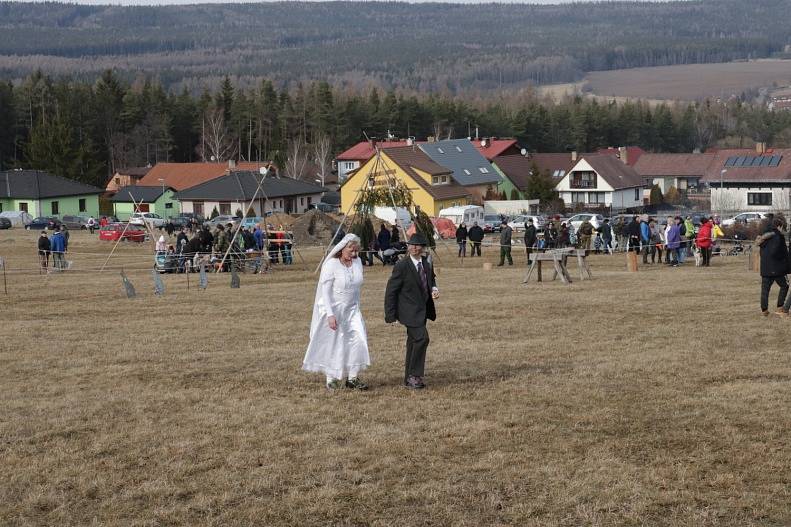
{"x": 409, "y": 299}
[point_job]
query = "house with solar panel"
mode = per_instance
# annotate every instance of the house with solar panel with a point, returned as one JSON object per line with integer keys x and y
{"x": 750, "y": 180}
{"x": 468, "y": 167}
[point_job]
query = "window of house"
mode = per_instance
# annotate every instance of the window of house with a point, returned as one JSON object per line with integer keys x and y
{"x": 582, "y": 179}
{"x": 434, "y": 180}
{"x": 1, "y": 207}
{"x": 225, "y": 209}
{"x": 55, "y": 207}
{"x": 197, "y": 209}
{"x": 83, "y": 207}
{"x": 310, "y": 201}
{"x": 23, "y": 206}
{"x": 483, "y": 170}
{"x": 759, "y": 198}
{"x": 467, "y": 172}
{"x": 117, "y": 180}
{"x": 444, "y": 179}
{"x": 458, "y": 148}
{"x": 169, "y": 205}
{"x": 578, "y": 197}
{"x": 637, "y": 194}
{"x": 302, "y": 202}
{"x": 350, "y": 166}
{"x": 596, "y": 197}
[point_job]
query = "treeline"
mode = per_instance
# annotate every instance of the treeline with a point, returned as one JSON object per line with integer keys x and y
{"x": 86, "y": 131}
{"x": 418, "y": 47}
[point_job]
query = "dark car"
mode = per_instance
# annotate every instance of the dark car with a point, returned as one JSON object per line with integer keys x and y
{"x": 492, "y": 222}
{"x": 76, "y": 222}
{"x": 5, "y": 223}
{"x": 44, "y": 222}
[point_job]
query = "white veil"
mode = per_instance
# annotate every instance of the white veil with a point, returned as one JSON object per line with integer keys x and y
{"x": 318, "y": 302}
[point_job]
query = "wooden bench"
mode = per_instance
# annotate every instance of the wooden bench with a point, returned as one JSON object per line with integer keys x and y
{"x": 559, "y": 259}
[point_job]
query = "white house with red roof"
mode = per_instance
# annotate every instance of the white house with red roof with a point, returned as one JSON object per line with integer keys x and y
{"x": 356, "y": 156}
{"x": 601, "y": 180}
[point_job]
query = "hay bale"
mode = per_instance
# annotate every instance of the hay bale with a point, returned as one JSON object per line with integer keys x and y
{"x": 314, "y": 228}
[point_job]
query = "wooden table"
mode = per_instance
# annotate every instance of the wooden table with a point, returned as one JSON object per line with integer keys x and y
{"x": 559, "y": 259}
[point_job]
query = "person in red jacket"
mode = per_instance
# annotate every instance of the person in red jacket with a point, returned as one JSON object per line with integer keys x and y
{"x": 703, "y": 241}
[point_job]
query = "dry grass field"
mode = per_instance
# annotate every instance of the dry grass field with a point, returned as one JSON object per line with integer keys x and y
{"x": 692, "y": 81}
{"x": 651, "y": 398}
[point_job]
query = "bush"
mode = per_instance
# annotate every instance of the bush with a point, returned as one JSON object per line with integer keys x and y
{"x": 214, "y": 213}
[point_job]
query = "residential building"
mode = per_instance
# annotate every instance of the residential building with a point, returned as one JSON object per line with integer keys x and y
{"x": 359, "y": 154}
{"x": 234, "y": 191}
{"x": 682, "y": 171}
{"x": 433, "y": 186}
{"x": 42, "y": 194}
{"x": 629, "y": 155}
{"x": 125, "y": 177}
{"x": 138, "y": 198}
{"x": 468, "y": 167}
{"x": 601, "y": 181}
{"x": 757, "y": 180}
{"x": 515, "y": 170}
{"x": 492, "y": 147}
{"x": 180, "y": 176}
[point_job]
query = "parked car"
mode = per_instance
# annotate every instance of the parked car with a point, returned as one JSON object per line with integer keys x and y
{"x": 251, "y": 221}
{"x": 324, "y": 207}
{"x": 18, "y": 218}
{"x": 115, "y": 231}
{"x": 44, "y": 222}
{"x": 141, "y": 218}
{"x": 595, "y": 219}
{"x": 491, "y": 222}
{"x": 76, "y": 222}
{"x": 5, "y": 223}
{"x": 519, "y": 223}
{"x": 744, "y": 218}
{"x": 223, "y": 220}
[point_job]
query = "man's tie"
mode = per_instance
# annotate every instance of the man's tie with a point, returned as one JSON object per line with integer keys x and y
{"x": 423, "y": 278}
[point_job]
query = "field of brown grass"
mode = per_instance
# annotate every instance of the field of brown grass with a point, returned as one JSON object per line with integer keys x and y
{"x": 691, "y": 81}
{"x": 651, "y": 398}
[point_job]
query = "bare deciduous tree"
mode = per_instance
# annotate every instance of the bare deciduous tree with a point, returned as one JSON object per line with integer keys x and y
{"x": 217, "y": 141}
{"x": 297, "y": 159}
{"x": 322, "y": 156}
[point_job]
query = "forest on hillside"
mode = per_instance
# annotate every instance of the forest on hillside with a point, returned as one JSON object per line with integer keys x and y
{"x": 85, "y": 131}
{"x": 415, "y": 48}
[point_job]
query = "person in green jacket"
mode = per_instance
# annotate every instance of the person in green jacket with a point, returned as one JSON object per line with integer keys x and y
{"x": 689, "y": 235}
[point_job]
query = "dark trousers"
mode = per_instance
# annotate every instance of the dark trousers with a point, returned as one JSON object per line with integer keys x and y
{"x": 416, "y": 345}
{"x": 462, "y": 248}
{"x": 766, "y": 284}
{"x": 476, "y": 247}
{"x": 505, "y": 252}
{"x": 705, "y": 252}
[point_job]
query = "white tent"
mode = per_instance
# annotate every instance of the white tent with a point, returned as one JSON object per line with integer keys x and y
{"x": 18, "y": 218}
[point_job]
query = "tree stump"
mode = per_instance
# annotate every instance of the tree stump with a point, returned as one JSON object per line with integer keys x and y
{"x": 631, "y": 261}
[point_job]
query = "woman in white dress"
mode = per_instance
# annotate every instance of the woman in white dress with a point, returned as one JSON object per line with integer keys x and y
{"x": 338, "y": 341}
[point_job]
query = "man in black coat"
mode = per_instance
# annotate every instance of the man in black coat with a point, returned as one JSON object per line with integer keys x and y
{"x": 774, "y": 267}
{"x": 475, "y": 235}
{"x": 409, "y": 299}
{"x": 531, "y": 237}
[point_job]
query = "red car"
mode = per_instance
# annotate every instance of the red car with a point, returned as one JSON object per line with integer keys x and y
{"x": 115, "y": 231}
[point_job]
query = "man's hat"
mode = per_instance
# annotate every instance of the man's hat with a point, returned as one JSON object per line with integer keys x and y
{"x": 417, "y": 239}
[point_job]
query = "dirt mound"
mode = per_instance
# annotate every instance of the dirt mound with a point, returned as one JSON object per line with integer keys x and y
{"x": 277, "y": 219}
{"x": 314, "y": 228}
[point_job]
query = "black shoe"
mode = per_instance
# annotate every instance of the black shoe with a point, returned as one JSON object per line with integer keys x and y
{"x": 414, "y": 383}
{"x": 356, "y": 384}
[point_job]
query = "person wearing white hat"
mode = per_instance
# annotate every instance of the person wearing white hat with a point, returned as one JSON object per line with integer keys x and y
{"x": 338, "y": 339}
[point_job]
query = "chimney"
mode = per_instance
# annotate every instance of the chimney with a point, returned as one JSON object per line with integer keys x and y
{"x": 574, "y": 155}
{"x": 622, "y": 153}
{"x": 760, "y": 147}
{"x": 410, "y": 141}
{"x": 231, "y": 164}
{"x": 430, "y": 139}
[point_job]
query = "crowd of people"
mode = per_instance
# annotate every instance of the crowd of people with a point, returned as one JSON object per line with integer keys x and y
{"x": 220, "y": 249}
{"x": 670, "y": 242}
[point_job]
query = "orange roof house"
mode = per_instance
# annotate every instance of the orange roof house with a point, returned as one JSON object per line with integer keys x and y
{"x": 180, "y": 176}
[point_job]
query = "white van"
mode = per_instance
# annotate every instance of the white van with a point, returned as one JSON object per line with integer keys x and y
{"x": 463, "y": 213}
{"x": 18, "y": 218}
{"x": 391, "y": 214}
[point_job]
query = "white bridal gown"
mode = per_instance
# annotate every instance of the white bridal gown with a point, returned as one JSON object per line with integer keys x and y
{"x": 342, "y": 352}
